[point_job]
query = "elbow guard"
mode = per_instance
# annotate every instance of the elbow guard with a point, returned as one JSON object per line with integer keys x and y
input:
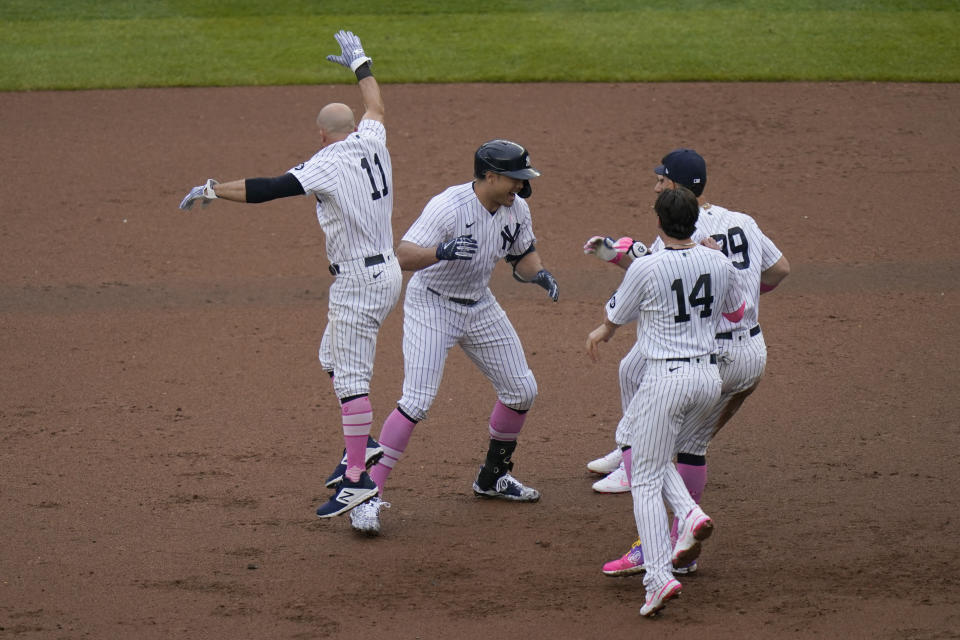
{"x": 265, "y": 189}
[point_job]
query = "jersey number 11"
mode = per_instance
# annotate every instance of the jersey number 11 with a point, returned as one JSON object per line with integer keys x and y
{"x": 377, "y": 193}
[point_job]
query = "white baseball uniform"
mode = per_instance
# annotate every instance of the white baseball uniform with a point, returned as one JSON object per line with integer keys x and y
{"x": 742, "y": 352}
{"x": 352, "y": 181}
{"x": 677, "y": 297}
{"x": 450, "y": 302}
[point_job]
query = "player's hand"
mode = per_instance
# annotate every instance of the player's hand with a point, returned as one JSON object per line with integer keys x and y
{"x": 711, "y": 243}
{"x": 460, "y": 248}
{"x": 600, "y": 246}
{"x": 351, "y": 51}
{"x": 603, "y": 333}
{"x": 638, "y": 249}
{"x": 608, "y": 249}
{"x": 204, "y": 193}
{"x": 546, "y": 280}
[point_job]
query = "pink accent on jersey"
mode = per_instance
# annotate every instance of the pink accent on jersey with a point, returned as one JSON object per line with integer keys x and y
{"x": 737, "y": 315}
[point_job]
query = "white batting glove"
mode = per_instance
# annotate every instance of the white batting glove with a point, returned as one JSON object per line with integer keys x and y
{"x": 638, "y": 249}
{"x": 204, "y": 193}
{"x": 608, "y": 249}
{"x": 351, "y": 51}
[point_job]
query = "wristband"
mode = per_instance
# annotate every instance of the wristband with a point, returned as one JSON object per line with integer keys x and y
{"x": 767, "y": 287}
{"x": 363, "y": 71}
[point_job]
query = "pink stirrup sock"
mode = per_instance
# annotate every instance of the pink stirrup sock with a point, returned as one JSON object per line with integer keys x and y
{"x": 394, "y": 438}
{"x": 695, "y": 479}
{"x": 628, "y": 462}
{"x": 505, "y": 423}
{"x": 357, "y": 416}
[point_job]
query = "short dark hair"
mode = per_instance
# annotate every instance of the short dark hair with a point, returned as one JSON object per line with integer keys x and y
{"x": 678, "y": 211}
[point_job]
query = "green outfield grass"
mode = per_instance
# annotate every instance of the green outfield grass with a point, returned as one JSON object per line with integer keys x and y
{"x": 79, "y": 44}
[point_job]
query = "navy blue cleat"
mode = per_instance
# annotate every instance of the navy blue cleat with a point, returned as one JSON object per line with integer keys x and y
{"x": 374, "y": 453}
{"x": 348, "y": 495}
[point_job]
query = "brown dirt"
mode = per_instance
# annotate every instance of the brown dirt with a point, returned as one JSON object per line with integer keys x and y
{"x": 165, "y": 427}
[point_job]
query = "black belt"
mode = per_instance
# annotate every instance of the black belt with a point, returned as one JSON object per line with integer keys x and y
{"x": 728, "y": 335}
{"x": 713, "y": 359}
{"x": 369, "y": 261}
{"x": 464, "y": 301}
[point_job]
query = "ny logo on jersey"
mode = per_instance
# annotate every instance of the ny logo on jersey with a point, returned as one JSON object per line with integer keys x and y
{"x": 509, "y": 238}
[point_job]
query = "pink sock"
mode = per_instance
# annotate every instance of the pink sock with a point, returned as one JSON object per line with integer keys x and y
{"x": 357, "y": 416}
{"x": 628, "y": 461}
{"x": 505, "y": 423}
{"x": 394, "y": 438}
{"x": 695, "y": 479}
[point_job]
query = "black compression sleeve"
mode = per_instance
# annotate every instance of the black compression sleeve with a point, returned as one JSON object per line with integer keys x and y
{"x": 264, "y": 189}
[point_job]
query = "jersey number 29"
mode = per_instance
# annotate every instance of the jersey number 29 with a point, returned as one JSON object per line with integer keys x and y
{"x": 700, "y": 296}
{"x": 734, "y": 243}
{"x": 377, "y": 193}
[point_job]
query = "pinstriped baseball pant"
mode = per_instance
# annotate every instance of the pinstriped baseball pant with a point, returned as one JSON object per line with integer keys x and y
{"x": 358, "y": 304}
{"x": 669, "y": 393}
{"x": 432, "y": 325}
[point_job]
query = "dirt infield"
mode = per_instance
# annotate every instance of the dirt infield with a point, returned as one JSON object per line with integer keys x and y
{"x": 165, "y": 426}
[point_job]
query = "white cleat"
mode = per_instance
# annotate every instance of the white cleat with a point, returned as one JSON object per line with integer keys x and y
{"x": 656, "y": 600}
{"x": 694, "y": 529}
{"x": 615, "y": 482}
{"x": 608, "y": 463}
{"x": 366, "y": 517}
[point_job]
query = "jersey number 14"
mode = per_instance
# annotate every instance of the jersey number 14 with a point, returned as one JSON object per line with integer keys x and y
{"x": 700, "y": 296}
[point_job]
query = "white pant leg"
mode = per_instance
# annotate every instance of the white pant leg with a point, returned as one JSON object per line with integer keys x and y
{"x": 742, "y": 363}
{"x": 358, "y": 305}
{"x": 491, "y": 343}
{"x": 431, "y": 327}
{"x": 632, "y": 367}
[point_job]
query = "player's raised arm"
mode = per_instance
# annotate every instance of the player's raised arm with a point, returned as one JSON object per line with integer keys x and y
{"x": 354, "y": 58}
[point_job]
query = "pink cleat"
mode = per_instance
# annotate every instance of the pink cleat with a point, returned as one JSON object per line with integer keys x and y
{"x": 631, "y": 563}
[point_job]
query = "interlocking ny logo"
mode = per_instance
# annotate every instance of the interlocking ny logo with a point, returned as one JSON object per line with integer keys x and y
{"x": 509, "y": 238}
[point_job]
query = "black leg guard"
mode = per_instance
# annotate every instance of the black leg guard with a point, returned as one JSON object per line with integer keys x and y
{"x": 497, "y": 463}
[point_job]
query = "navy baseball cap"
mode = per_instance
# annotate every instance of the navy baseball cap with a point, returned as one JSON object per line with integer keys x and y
{"x": 685, "y": 167}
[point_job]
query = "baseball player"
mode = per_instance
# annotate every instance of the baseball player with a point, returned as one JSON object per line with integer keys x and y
{"x": 351, "y": 181}
{"x": 453, "y": 247}
{"x": 677, "y": 296}
{"x": 742, "y": 351}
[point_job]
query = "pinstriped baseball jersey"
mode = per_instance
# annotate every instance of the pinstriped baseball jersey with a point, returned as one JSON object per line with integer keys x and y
{"x": 676, "y": 297}
{"x": 458, "y": 212}
{"x": 748, "y": 248}
{"x": 352, "y": 181}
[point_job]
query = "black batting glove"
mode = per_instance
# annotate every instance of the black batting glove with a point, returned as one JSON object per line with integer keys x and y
{"x": 460, "y": 248}
{"x": 546, "y": 280}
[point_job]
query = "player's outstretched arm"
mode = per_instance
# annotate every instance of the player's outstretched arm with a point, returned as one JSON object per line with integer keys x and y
{"x": 621, "y": 252}
{"x": 354, "y": 58}
{"x": 246, "y": 190}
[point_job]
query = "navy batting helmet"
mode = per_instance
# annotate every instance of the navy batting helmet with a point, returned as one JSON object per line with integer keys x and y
{"x": 506, "y": 158}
